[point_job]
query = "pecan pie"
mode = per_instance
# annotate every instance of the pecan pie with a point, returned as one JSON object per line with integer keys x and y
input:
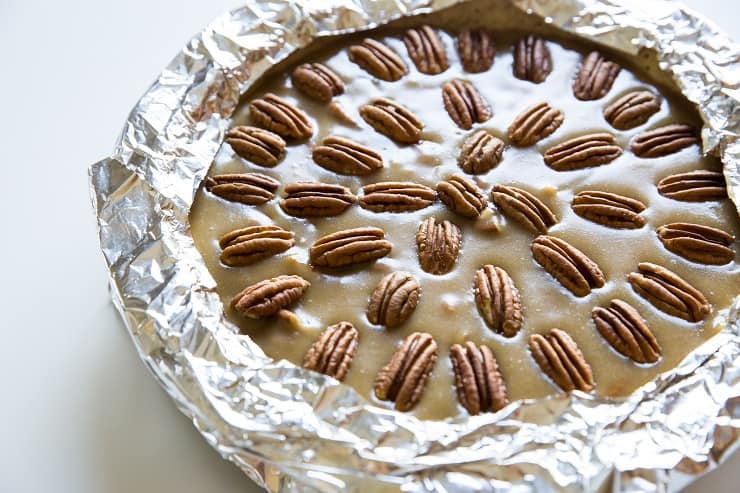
{"x": 452, "y": 220}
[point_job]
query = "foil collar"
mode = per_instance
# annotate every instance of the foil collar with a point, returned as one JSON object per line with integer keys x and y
{"x": 293, "y": 430}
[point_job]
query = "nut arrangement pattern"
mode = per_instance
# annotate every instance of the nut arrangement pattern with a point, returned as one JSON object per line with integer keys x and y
{"x": 246, "y": 188}
{"x": 478, "y": 380}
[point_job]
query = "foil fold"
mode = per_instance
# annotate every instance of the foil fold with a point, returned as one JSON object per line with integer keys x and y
{"x": 290, "y": 429}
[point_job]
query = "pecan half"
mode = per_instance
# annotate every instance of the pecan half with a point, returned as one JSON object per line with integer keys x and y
{"x": 586, "y": 151}
{"x": 259, "y": 146}
{"x": 404, "y": 378}
{"x": 281, "y": 117}
{"x": 560, "y": 358}
{"x": 266, "y": 298}
{"x": 464, "y": 104}
{"x": 248, "y": 245}
{"x": 246, "y": 188}
{"x": 378, "y": 60}
{"x": 314, "y": 199}
{"x": 534, "y": 124}
{"x": 476, "y": 50}
{"x": 595, "y": 77}
{"x": 663, "y": 141}
{"x": 609, "y": 209}
{"x": 532, "y": 59}
{"x": 668, "y": 292}
{"x": 478, "y": 381}
{"x": 694, "y": 186}
{"x": 480, "y": 153}
{"x": 438, "y": 245}
{"x": 524, "y": 208}
{"x": 626, "y": 331}
{"x": 333, "y": 351}
{"x": 498, "y": 300}
{"x": 426, "y": 49}
{"x": 346, "y": 157}
{"x": 632, "y": 110}
{"x": 317, "y": 81}
{"x": 698, "y": 243}
{"x": 349, "y": 246}
{"x": 394, "y": 300}
{"x": 462, "y": 196}
{"x": 392, "y": 120}
{"x": 396, "y": 196}
{"x": 567, "y": 264}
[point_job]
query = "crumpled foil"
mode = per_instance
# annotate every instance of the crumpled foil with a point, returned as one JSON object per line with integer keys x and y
{"x": 293, "y": 430}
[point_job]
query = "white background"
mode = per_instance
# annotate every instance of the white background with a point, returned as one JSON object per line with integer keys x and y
{"x": 79, "y": 412}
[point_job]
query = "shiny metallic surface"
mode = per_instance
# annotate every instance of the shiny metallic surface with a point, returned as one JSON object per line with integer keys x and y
{"x": 293, "y": 430}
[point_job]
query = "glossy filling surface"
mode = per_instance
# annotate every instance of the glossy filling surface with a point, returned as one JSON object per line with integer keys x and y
{"x": 447, "y": 308}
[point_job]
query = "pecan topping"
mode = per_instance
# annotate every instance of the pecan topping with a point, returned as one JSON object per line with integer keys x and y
{"x": 626, "y": 331}
{"x": 480, "y": 386}
{"x": 568, "y": 265}
{"x": 664, "y": 140}
{"x": 524, "y": 208}
{"x": 632, "y": 110}
{"x": 248, "y": 245}
{"x": 314, "y": 199}
{"x": 259, "y": 146}
{"x": 698, "y": 243}
{"x": 498, "y": 300}
{"x": 595, "y": 77}
{"x": 317, "y": 81}
{"x": 392, "y": 120}
{"x": 333, "y": 351}
{"x": 560, "y": 358}
{"x": 396, "y": 196}
{"x": 476, "y": 50}
{"x": 532, "y": 60}
{"x": 378, "y": 60}
{"x": 266, "y": 298}
{"x": 349, "y": 246}
{"x": 668, "y": 292}
{"x": 438, "y": 245}
{"x": 464, "y": 104}
{"x": 403, "y": 379}
{"x": 480, "y": 153}
{"x": 394, "y": 300}
{"x": 426, "y": 49}
{"x": 281, "y": 117}
{"x": 346, "y": 157}
{"x": 609, "y": 209}
{"x": 462, "y": 196}
{"x": 247, "y": 188}
{"x": 586, "y": 151}
{"x": 694, "y": 186}
{"x": 534, "y": 124}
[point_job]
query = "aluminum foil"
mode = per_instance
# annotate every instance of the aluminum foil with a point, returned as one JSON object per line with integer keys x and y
{"x": 292, "y": 430}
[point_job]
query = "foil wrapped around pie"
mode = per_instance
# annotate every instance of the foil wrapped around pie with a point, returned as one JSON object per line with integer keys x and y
{"x": 293, "y": 430}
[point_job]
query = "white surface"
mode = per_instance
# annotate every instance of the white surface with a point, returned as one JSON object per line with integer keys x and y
{"x": 80, "y": 413}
